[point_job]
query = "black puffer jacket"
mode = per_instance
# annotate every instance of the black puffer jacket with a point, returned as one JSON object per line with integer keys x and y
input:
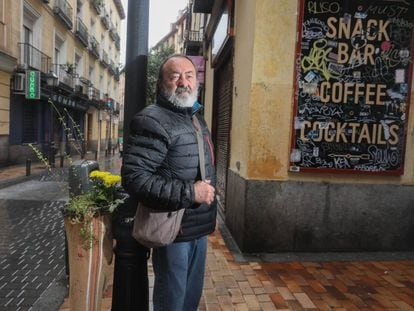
{"x": 160, "y": 165}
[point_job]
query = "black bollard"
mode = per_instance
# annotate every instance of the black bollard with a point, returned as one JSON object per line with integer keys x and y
{"x": 130, "y": 286}
{"x": 28, "y": 167}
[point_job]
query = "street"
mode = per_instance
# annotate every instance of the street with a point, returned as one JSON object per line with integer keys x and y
{"x": 32, "y": 245}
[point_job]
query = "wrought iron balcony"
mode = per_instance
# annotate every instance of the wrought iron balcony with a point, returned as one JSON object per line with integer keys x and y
{"x": 82, "y": 86}
{"x": 111, "y": 67}
{"x": 97, "y": 4}
{"x": 194, "y": 36}
{"x": 64, "y": 77}
{"x": 65, "y": 12}
{"x": 94, "y": 46}
{"x": 81, "y": 32}
{"x": 117, "y": 74}
{"x": 106, "y": 21}
{"x": 113, "y": 32}
{"x": 93, "y": 94}
{"x": 105, "y": 59}
{"x": 30, "y": 57}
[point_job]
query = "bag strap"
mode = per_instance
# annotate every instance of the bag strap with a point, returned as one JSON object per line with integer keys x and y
{"x": 200, "y": 143}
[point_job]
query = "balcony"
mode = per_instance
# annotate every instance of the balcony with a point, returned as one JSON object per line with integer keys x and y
{"x": 193, "y": 42}
{"x": 194, "y": 36}
{"x": 106, "y": 21}
{"x": 113, "y": 32}
{"x": 94, "y": 46}
{"x": 97, "y": 4}
{"x": 93, "y": 93}
{"x": 81, "y": 32}
{"x": 32, "y": 58}
{"x": 203, "y": 6}
{"x": 105, "y": 59}
{"x": 111, "y": 68}
{"x": 117, "y": 74}
{"x": 82, "y": 87}
{"x": 64, "y": 77}
{"x": 64, "y": 11}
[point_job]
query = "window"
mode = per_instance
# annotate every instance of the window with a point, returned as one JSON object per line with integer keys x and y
{"x": 101, "y": 86}
{"x": 79, "y": 64}
{"x": 91, "y": 75}
{"x": 57, "y": 61}
{"x": 31, "y": 21}
{"x": 59, "y": 53}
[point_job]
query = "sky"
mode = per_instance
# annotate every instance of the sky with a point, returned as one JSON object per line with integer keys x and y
{"x": 162, "y": 14}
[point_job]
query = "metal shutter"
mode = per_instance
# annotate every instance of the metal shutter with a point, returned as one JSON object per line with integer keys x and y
{"x": 223, "y": 86}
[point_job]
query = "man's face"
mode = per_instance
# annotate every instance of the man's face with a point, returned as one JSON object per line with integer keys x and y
{"x": 179, "y": 83}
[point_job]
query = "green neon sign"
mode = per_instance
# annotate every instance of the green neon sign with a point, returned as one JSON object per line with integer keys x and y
{"x": 32, "y": 84}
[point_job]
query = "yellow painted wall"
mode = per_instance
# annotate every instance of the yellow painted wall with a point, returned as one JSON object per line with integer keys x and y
{"x": 4, "y": 103}
{"x": 263, "y": 98}
{"x": 243, "y": 66}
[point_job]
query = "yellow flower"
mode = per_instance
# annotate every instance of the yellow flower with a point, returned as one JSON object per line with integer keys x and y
{"x": 111, "y": 180}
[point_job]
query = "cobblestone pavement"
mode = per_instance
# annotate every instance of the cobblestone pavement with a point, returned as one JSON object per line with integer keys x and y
{"x": 31, "y": 250}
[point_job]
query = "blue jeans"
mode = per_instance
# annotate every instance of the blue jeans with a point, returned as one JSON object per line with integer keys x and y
{"x": 179, "y": 275}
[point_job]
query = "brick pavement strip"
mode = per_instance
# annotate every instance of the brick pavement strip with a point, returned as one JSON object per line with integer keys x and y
{"x": 361, "y": 285}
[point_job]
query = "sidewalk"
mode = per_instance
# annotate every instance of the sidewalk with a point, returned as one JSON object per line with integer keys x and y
{"x": 234, "y": 281}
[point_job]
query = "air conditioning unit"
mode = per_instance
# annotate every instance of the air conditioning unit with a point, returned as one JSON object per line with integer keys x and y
{"x": 19, "y": 83}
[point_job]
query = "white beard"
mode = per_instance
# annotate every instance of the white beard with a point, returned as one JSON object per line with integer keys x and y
{"x": 180, "y": 98}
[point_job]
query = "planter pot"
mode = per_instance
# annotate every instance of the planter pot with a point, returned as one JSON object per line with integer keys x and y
{"x": 89, "y": 269}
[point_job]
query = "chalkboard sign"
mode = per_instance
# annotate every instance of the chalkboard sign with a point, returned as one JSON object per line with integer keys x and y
{"x": 352, "y": 86}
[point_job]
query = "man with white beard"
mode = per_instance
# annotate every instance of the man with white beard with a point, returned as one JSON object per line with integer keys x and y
{"x": 161, "y": 170}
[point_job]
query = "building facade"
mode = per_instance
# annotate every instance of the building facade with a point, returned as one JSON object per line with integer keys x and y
{"x": 308, "y": 106}
{"x": 63, "y": 86}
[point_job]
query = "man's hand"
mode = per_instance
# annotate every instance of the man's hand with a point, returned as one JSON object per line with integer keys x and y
{"x": 204, "y": 192}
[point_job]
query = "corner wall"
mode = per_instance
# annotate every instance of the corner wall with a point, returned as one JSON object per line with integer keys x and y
{"x": 269, "y": 209}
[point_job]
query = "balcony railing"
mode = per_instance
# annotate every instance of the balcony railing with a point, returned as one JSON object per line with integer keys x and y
{"x": 63, "y": 9}
{"x": 64, "y": 77}
{"x": 106, "y": 21}
{"x": 105, "y": 59}
{"x": 111, "y": 67}
{"x": 97, "y": 4}
{"x": 116, "y": 75}
{"x": 194, "y": 36}
{"x": 94, "y": 46}
{"x": 112, "y": 32}
{"x": 30, "y": 57}
{"x": 82, "y": 86}
{"x": 81, "y": 32}
{"x": 93, "y": 93}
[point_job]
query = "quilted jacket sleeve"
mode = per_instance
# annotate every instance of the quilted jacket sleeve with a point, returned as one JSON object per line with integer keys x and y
{"x": 145, "y": 151}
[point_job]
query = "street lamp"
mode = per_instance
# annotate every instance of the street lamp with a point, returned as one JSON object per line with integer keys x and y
{"x": 52, "y": 81}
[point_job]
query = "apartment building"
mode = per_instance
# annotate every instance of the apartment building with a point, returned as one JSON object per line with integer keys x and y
{"x": 63, "y": 77}
{"x": 186, "y": 37}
